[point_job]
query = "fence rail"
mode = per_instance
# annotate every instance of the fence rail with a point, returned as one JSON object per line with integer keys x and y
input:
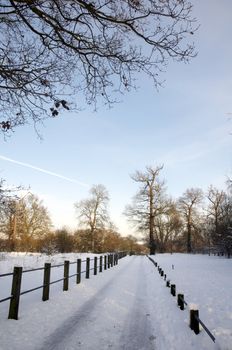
{"x": 194, "y": 314}
{"x": 6, "y": 274}
{"x": 110, "y": 260}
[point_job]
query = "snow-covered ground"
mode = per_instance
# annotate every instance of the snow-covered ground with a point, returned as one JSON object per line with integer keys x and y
{"x": 126, "y": 307}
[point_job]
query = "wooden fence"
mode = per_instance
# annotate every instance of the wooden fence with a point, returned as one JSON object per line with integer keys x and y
{"x": 99, "y": 265}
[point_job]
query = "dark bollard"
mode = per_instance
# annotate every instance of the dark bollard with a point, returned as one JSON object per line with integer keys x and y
{"x": 180, "y": 301}
{"x": 173, "y": 289}
{"x": 194, "y": 321}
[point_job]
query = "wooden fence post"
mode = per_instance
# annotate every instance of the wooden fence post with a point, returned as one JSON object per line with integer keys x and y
{"x": 111, "y": 260}
{"x": 168, "y": 283}
{"x": 105, "y": 262}
{"x": 46, "y": 281}
{"x": 95, "y": 266}
{"x": 108, "y": 261}
{"x": 180, "y": 301}
{"x": 100, "y": 264}
{"x": 173, "y": 289}
{"x": 66, "y": 275}
{"x": 194, "y": 323}
{"x": 87, "y": 268}
{"x": 78, "y": 279}
{"x": 15, "y": 292}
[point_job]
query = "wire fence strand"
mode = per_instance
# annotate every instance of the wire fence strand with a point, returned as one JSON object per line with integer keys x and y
{"x": 47, "y": 275}
{"x": 31, "y": 270}
{"x": 205, "y": 328}
{"x": 31, "y": 290}
{"x": 5, "y": 299}
{"x": 6, "y": 274}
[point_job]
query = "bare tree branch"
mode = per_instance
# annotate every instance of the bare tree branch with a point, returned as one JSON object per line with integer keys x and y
{"x": 50, "y": 50}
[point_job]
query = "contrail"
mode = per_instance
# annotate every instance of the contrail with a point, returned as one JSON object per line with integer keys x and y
{"x": 43, "y": 171}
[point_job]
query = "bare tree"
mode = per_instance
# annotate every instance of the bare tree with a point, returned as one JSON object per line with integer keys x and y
{"x": 225, "y": 228}
{"x": 8, "y": 222}
{"x": 215, "y": 210}
{"x": 24, "y": 220}
{"x": 219, "y": 214}
{"x": 51, "y": 49}
{"x": 229, "y": 186}
{"x": 188, "y": 206}
{"x": 93, "y": 211}
{"x": 168, "y": 226}
{"x": 147, "y": 203}
{"x": 7, "y": 192}
{"x": 8, "y": 203}
{"x": 32, "y": 220}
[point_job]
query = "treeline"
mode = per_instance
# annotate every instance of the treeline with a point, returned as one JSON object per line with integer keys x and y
{"x": 194, "y": 222}
{"x": 25, "y": 225}
{"x": 66, "y": 241}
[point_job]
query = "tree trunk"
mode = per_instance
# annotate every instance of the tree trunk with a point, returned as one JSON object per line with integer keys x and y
{"x": 189, "y": 239}
{"x": 152, "y": 248}
{"x": 12, "y": 234}
{"x": 151, "y": 223}
{"x": 92, "y": 243}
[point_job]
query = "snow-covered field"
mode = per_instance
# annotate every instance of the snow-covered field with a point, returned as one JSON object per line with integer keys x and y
{"x": 207, "y": 282}
{"x": 126, "y": 307}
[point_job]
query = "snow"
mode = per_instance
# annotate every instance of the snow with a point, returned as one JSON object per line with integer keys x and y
{"x": 126, "y": 307}
{"x": 193, "y": 306}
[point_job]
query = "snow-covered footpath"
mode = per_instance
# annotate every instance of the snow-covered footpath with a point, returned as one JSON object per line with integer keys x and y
{"x": 125, "y": 307}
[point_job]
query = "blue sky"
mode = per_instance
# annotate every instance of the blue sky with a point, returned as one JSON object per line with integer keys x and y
{"x": 185, "y": 126}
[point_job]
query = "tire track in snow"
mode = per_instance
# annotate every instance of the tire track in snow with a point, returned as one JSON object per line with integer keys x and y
{"x": 139, "y": 333}
{"x": 116, "y": 317}
{"x": 88, "y": 323}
